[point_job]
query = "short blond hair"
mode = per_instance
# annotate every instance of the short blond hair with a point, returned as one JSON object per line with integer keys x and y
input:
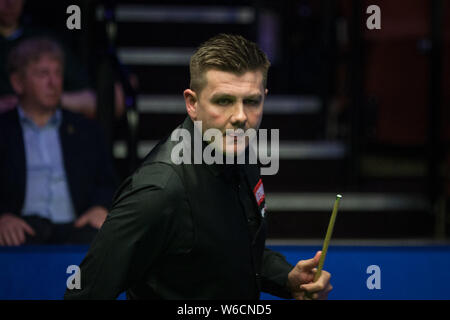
{"x": 226, "y": 52}
{"x": 31, "y": 50}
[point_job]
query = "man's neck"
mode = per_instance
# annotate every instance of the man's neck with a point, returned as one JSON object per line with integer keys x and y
{"x": 7, "y": 31}
{"x": 39, "y": 116}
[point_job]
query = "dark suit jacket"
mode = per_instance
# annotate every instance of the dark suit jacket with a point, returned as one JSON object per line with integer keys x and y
{"x": 88, "y": 165}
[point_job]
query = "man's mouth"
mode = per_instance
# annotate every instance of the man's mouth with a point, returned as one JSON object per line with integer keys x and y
{"x": 235, "y": 133}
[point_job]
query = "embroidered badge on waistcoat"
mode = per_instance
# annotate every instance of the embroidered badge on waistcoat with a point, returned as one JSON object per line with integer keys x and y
{"x": 259, "y": 192}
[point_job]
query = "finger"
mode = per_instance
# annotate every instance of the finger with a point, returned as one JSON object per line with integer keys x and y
{"x": 319, "y": 285}
{"x": 308, "y": 297}
{"x": 11, "y": 238}
{"x": 324, "y": 294}
{"x": 81, "y": 222}
{"x": 310, "y": 263}
{"x": 19, "y": 234}
{"x": 6, "y": 238}
{"x": 28, "y": 229}
{"x": 99, "y": 221}
{"x": 300, "y": 295}
{"x": 312, "y": 287}
{"x": 97, "y": 218}
{"x": 95, "y": 223}
{"x": 15, "y": 237}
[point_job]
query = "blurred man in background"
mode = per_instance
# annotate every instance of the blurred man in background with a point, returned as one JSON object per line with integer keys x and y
{"x": 78, "y": 95}
{"x": 57, "y": 177}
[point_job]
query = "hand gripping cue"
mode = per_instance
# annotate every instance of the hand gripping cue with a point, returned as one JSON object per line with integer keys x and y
{"x": 326, "y": 242}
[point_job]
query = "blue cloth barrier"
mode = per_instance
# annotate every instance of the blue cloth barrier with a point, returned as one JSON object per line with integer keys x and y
{"x": 410, "y": 272}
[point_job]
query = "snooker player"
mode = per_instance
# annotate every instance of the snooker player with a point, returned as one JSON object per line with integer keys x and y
{"x": 197, "y": 231}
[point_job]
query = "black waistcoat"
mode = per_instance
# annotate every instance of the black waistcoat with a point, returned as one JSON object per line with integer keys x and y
{"x": 224, "y": 261}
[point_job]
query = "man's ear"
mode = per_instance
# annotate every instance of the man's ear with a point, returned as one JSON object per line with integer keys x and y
{"x": 190, "y": 99}
{"x": 16, "y": 80}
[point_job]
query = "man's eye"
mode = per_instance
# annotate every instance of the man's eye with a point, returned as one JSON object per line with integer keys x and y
{"x": 41, "y": 74}
{"x": 224, "y": 102}
{"x": 252, "y": 102}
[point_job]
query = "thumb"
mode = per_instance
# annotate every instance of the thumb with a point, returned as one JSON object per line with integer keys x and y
{"x": 310, "y": 263}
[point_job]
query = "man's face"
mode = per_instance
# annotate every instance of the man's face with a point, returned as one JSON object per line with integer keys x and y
{"x": 230, "y": 101}
{"x": 10, "y": 11}
{"x": 40, "y": 85}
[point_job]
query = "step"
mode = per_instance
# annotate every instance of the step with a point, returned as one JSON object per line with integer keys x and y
{"x": 352, "y": 201}
{"x": 204, "y": 14}
{"x": 159, "y": 56}
{"x": 350, "y": 224}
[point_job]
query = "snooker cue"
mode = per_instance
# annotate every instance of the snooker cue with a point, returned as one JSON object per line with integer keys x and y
{"x": 327, "y": 237}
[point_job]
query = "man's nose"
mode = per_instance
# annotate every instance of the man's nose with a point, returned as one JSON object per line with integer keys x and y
{"x": 54, "y": 80}
{"x": 239, "y": 117}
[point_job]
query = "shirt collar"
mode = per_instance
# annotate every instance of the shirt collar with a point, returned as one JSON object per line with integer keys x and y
{"x": 55, "y": 120}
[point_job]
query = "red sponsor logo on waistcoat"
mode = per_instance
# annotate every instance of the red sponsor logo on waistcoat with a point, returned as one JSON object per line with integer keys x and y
{"x": 259, "y": 192}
